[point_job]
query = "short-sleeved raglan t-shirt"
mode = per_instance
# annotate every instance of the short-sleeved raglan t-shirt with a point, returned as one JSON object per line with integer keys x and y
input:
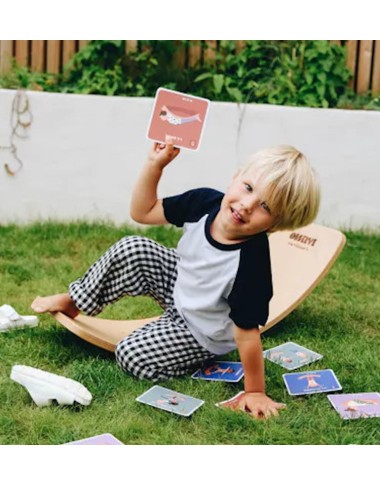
{"x": 218, "y": 285}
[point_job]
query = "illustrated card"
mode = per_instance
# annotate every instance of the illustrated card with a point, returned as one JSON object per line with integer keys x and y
{"x": 229, "y": 402}
{"x": 179, "y": 115}
{"x": 168, "y": 400}
{"x": 291, "y": 355}
{"x": 311, "y": 382}
{"x": 101, "y": 439}
{"x": 355, "y": 406}
{"x": 220, "y": 371}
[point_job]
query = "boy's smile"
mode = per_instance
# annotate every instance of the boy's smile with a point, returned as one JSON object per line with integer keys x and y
{"x": 243, "y": 211}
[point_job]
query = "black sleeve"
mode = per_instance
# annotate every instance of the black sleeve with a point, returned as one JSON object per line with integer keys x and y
{"x": 190, "y": 206}
{"x": 252, "y": 290}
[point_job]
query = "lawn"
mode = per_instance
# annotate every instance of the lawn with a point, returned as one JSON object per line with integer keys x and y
{"x": 340, "y": 320}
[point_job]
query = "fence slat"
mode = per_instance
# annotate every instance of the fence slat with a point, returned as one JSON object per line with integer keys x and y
{"x": 210, "y": 51}
{"x": 6, "y": 51}
{"x": 195, "y": 53}
{"x": 22, "y": 52}
{"x": 68, "y": 51}
{"x": 53, "y": 63}
{"x": 239, "y": 45}
{"x": 376, "y": 69}
{"x": 38, "y": 55}
{"x": 82, "y": 43}
{"x": 364, "y": 72}
{"x": 352, "y": 47}
{"x": 179, "y": 57}
{"x": 131, "y": 46}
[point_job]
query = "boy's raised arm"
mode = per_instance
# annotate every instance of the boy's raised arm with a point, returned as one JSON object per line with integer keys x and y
{"x": 254, "y": 398}
{"x": 146, "y": 208}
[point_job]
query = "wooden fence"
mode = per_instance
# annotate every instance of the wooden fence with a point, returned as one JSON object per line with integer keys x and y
{"x": 363, "y": 57}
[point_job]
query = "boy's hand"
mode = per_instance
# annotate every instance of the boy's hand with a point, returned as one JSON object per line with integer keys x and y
{"x": 258, "y": 404}
{"x": 161, "y": 154}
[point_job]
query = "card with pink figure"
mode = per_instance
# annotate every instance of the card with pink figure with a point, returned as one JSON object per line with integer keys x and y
{"x": 180, "y": 116}
{"x": 358, "y": 405}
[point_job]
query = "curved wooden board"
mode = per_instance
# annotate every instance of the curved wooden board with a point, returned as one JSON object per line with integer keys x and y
{"x": 300, "y": 260}
{"x": 99, "y": 331}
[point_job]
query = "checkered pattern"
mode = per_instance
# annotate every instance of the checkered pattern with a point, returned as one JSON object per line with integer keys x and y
{"x": 161, "y": 349}
{"x": 133, "y": 266}
{"x": 139, "y": 266}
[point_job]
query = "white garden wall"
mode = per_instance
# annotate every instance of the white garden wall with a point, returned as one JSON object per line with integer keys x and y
{"x": 83, "y": 155}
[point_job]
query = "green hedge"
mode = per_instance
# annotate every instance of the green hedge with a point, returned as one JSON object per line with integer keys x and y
{"x": 294, "y": 73}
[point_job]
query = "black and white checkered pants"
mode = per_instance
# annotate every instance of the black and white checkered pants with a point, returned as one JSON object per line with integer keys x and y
{"x": 135, "y": 266}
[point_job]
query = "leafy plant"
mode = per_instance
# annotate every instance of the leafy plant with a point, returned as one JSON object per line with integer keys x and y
{"x": 292, "y": 72}
{"x": 22, "y": 78}
{"x": 298, "y": 73}
{"x": 351, "y": 100}
{"x": 104, "y": 67}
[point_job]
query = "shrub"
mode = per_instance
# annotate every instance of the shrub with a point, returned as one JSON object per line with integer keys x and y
{"x": 294, "y": 73}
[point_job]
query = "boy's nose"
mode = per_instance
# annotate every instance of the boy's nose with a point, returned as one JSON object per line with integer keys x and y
{"x": 250, "y": 203}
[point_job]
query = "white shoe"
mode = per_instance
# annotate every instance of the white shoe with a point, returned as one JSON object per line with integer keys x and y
{"x": 45, "y": 387}
{"x": 10, "y": 319}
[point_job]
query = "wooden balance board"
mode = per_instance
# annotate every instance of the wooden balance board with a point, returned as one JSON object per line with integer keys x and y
{"x": 300, "y": 260}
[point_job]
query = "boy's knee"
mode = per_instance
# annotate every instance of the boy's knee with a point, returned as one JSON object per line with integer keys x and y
{"x": 133, "y": 360}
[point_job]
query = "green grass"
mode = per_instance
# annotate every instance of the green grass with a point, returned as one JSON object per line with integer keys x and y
{"x": 340, "y": 319}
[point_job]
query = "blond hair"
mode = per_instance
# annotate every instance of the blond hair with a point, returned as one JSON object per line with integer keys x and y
{"x": 289, "y": 185}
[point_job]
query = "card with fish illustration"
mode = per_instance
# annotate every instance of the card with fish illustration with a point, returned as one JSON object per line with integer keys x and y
{"x": 220, "y": 371}
{"x": 168, "y": 400}
{"x": 358, "y": 405}
{"x": 180, "y": 116}
{"x": 101, "y": 439}
{"x": 311, "y": 382}
{"x": 291, "y": 355}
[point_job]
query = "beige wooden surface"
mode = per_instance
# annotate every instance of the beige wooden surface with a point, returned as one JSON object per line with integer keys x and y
{"x": 69, "y": 49}
{"x": 195, "y": 53}
{"x": 300, "y": 260}
{"x": 352, "y": 48}
{"x": 6, "y": 52}
{"x": 53, "y": 61}
{"x": 210, "y": 51}
{"x": 83, "y": 43}
{"x": 131, "y": 46}
{"x": 364, "y": 68}
{"x": 376, "y": 69}
{"x": 22, "y": 52}
{"x": 38, "y": 55}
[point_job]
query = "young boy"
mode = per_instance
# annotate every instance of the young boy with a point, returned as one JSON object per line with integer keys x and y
{"x": 216, "y": 286}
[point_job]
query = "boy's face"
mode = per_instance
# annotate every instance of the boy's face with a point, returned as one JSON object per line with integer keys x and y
{"x": 243, "y": 211}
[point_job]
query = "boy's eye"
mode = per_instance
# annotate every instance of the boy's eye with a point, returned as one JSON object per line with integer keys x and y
{"x": 265, "y": 207}
{"x": 248, "y": 187}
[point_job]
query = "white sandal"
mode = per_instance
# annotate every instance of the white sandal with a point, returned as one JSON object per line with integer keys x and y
{"x": 10, "y": 319}
{"x": 45, "y": 387}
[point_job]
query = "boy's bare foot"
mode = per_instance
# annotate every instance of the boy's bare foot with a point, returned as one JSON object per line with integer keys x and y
{"x": 55, "y": 303}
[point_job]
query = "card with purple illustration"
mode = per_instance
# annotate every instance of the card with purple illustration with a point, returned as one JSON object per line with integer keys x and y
{"x": 220, "y": 371}
{"x": 311, "y": 382}
{"x": 172, "y": 401}
{"x": 358, "y": 405}
{"x": 101, "y": 439}
{"x": 291, "y": 355}
{"x": 180, "y": 116}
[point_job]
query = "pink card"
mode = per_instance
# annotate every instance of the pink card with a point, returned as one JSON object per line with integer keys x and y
{"x": 180, "y": 116}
